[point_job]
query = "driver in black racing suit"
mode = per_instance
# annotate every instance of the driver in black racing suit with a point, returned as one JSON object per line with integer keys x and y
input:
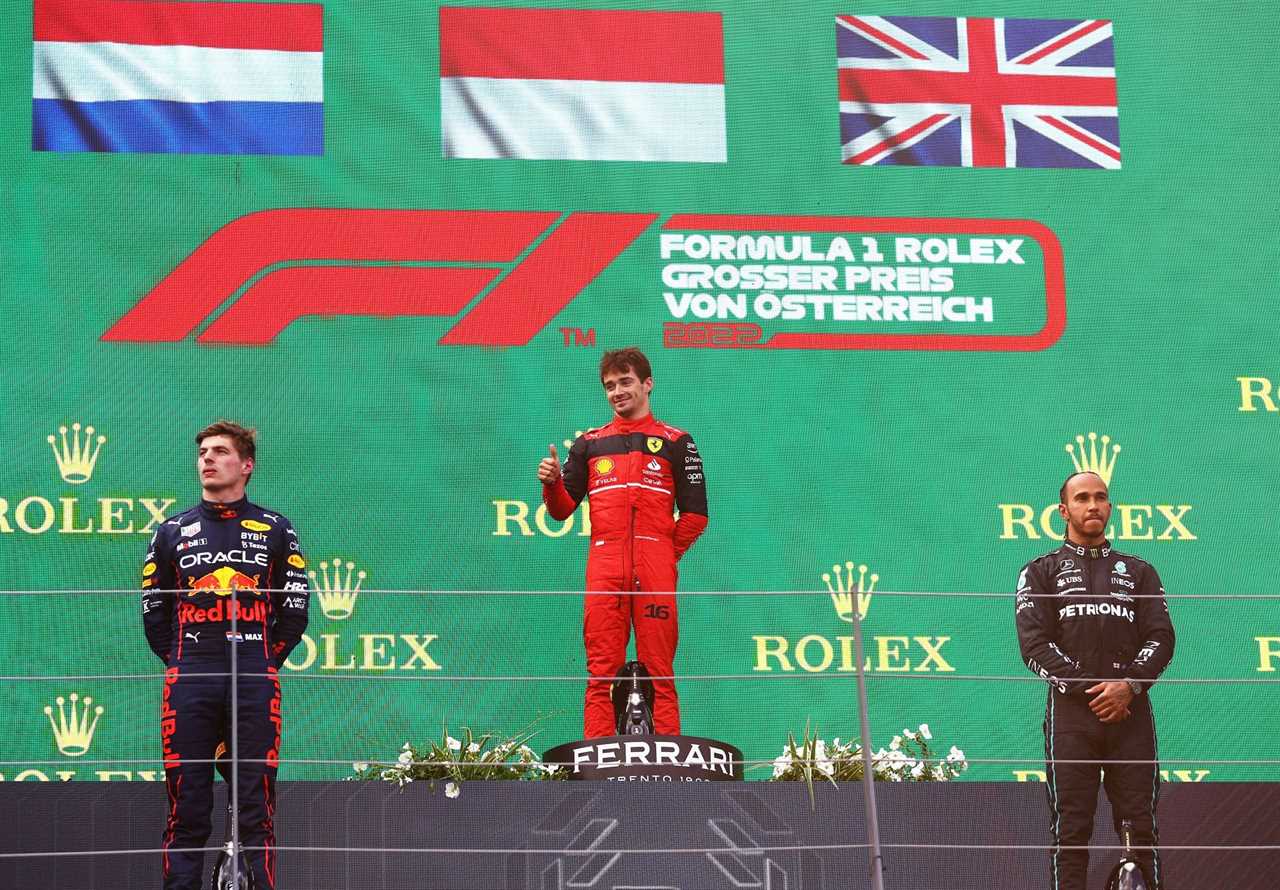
{"x": 1094, "y": 623}
{"x": 225, "y": 553}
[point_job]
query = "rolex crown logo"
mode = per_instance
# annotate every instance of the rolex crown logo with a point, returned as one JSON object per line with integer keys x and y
{"x": 1098, "y": 457}
{"x": 335, "y": 587}
{"x": 76, "y": 458}
{"x": 74, "y": 733}
{"x": 842, "y": 583}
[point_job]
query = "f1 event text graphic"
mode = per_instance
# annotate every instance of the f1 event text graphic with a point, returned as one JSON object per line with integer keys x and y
{"x": 506, "y": 275}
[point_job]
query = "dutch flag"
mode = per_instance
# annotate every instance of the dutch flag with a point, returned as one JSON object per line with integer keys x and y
{"x": 210, "y": 78}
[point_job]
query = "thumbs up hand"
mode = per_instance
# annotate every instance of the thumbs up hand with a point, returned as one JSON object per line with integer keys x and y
{"x": 549, "y": 468}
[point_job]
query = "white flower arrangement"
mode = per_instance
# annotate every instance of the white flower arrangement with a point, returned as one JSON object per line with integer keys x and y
{"x": 909, "y": 758}
{"x": 455, "y": 761}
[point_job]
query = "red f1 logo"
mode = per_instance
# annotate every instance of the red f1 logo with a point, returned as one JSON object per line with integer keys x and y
{"x": 313, "y": 262}
{"x": 525, "y": 267}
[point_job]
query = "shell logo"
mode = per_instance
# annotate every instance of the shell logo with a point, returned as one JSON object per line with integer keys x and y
{"x": 604, "y": 465}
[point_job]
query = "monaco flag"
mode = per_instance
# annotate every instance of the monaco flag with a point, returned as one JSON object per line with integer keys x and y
{"x": 573, "y": 84}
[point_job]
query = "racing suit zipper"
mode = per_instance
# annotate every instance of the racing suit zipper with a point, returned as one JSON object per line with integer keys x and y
{"x": 1097, "y": 666}
{"x": 634, "y": 580}
{"x": 636, "y": 458}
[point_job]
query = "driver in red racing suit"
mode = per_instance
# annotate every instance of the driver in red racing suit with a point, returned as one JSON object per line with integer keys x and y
{"x": 635, "y": 471}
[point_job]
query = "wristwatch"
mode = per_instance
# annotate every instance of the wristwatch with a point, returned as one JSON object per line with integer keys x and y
{"x": 1135, "y": 687}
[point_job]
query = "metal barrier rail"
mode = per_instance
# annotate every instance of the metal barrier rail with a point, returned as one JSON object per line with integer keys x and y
{"x": 860, "y": 674}
{"x": 664, "y": 851}
{"x": 405, "y": 591}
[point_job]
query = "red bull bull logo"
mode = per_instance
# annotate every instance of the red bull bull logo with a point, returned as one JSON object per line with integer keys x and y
{"x": 222, "y": 581}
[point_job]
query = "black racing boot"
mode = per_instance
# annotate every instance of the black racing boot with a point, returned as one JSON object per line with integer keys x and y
{"x": 1127, "y": 875}
{"x": 633, "y": 700}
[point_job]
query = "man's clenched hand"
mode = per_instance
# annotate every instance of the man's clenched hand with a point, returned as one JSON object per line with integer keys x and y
{"x": 549, "y": 468}
{"x": 1110, "y": 701}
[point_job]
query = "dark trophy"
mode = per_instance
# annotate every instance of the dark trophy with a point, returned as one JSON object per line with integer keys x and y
{"x": 1127, "y": 875}
{"x": 636, "y": 753}
{"x": 633, "y": 700}
{"x": 222, "y": 865}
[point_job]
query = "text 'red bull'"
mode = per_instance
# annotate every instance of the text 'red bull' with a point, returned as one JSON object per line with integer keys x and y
{"x": 273, "y": 755}
{"x": 252, "y": 613}
{"x": 169, "y": 720}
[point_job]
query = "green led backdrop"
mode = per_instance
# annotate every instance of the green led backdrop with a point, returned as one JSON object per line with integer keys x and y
{"x": 889, "y": 344}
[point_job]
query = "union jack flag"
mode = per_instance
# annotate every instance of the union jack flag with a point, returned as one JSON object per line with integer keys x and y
{"x": 968, "y": 92}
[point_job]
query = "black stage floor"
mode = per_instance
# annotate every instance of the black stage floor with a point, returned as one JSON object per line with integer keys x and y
{"x": 561, "y": 835}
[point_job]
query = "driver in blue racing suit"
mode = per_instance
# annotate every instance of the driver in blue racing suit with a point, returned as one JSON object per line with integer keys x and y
{"x": 224, "y": 553}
